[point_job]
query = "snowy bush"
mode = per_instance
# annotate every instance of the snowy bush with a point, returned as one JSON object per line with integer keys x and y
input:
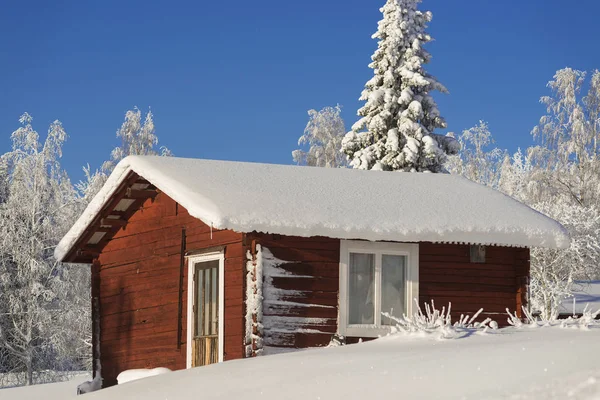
{"x": 337, "y": 341}
{"x": 439, "y": 322}
{"x": 587, "y": 319}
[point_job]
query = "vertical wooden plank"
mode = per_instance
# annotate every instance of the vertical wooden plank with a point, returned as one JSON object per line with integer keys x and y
{"x": 95, "y": 299}
{"x": 522, "y": 271}
{"x": 210, "y": 298}
{"x": 194, "y": 350}
{"x": 180, "y": 305}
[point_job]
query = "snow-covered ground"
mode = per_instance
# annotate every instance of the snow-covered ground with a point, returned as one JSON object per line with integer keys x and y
{"x": 50, "y": 391}
{"x": 530, "y": 363}
{"x": 585, "y": 293}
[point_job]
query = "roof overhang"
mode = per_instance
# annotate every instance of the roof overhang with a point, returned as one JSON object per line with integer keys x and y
{"x": 306, "y": 201}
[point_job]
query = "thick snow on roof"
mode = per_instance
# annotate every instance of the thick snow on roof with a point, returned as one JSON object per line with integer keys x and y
{"x": 339, "y": 203}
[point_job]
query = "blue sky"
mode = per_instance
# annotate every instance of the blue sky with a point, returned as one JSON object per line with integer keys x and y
{"x": 233, "y": 80}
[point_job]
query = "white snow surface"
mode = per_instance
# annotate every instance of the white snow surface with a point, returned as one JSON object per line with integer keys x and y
{"x": 530, "y": 363}
{"x": 50, "y": 391}
{"x": 135, "y": 374}
{"x": 334, "y": 202}
{"x": 585, "y": 293}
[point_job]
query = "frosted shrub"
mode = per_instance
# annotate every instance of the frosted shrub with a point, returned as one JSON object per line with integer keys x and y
{"x": 529, "y": 319}
{"x": 586, "y": 320}
{"x": 439, "y": 322}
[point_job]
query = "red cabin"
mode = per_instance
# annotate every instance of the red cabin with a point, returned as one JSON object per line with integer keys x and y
{"x": 197, "y": 261}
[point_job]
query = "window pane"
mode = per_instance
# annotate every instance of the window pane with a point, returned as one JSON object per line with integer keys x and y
{"x": 206, "y": 301}
{"x": 361, "y": 288}
{"x": 215, "y": 302}
{"x": 393, "y": 287}
{"x": 199, "y": 301}
{"x": 207, "y": 298}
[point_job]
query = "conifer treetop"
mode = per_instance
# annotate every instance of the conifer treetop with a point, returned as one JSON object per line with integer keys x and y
{"x": 396, "y": 131}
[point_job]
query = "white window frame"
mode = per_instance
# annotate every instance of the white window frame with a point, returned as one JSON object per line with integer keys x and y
{"x": 410, "y": 250}
{"x": 192, "y": 261}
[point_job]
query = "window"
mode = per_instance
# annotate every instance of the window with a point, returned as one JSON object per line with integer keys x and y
{"x": 477, "y": 254}
{"x": 376, "y": 278}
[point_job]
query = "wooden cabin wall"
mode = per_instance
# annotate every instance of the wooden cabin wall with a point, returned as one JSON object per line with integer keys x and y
{"x": 138, "y": 285}
{"x": 305, "y": 313}
{"x": 446, "y": 274}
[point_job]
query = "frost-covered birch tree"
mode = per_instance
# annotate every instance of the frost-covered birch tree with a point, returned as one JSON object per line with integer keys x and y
{"x": 137, "y": 138}
{"x": 35, "y": 214}
{"x": 565, "y": 184}
{"x": 476, "y": 161}
{"x": 567, "y": 154}
{"x": 553, "y": 272}
{"x": 323, "y": 134}
{"x": 399, "y": 117}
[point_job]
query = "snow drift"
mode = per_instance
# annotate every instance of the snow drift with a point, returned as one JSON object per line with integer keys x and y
{"x": 539, "y": 363}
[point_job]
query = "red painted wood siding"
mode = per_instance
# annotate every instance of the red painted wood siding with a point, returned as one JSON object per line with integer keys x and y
{"x": 138, "y": 281}
{"x": 447, "y": 275}
{"x": 314, "y": 267}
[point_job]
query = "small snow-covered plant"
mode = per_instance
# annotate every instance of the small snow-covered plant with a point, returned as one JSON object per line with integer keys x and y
{"x": 529, "y": 320}
{"x": 587, "y": 319}
{"x": 337, "y": 341}
{"x": 439, "y": 322}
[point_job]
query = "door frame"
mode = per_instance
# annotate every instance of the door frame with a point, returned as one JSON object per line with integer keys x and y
{"x": 192, "y": 261}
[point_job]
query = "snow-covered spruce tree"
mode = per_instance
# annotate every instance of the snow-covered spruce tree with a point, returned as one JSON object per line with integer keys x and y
{"x": 137, "y": 138}
{"x": 396, "y": 131}
{"x": 34, "y": 215}
{"x": 323, "y": 134}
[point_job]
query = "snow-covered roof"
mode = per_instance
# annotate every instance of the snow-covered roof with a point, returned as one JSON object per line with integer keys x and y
{"x": 339, "y": 203}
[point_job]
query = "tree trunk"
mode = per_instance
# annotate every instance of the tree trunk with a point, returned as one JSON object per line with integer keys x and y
{"x": 29, "y": 369}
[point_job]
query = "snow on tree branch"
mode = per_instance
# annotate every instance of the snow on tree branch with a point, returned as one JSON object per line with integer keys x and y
{"x": 396, "y": 131}
{"x": 39, "y": 317}
{"x": 323, "y": 134}
{"x": 137, "y": 138}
